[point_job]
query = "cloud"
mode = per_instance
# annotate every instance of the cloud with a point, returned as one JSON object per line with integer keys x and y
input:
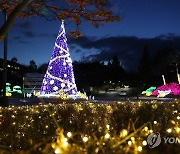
{"x": 25, "y": 29}
{"x": 24, "y": 42}
{"x": 72, "y": 47}
{"x": 17, "y": 37}
{"x": 128, "y": 49}
{"x": 26, "y": 25}
{"x": 29, "y": 34}
{"x": 45, "y": 35}
{"x": 77, "y": 50}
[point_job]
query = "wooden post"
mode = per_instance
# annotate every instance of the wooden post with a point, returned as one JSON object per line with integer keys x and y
{"x": 5, "y": 100}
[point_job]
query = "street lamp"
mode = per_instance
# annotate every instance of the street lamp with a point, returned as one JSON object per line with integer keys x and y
{"x": 5, "y": 100}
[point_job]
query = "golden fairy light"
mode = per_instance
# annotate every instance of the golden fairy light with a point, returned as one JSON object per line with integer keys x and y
{"x": 139, "y": 148}
{"x": 129, "y": 142}
{"x": 107, "y": 136}
{"x": 144, "y": 143}
{"x": 69, "y": 134}
{"x": 123, "y": 133}
{"x": 85, "y": 139}
{"x": 151, "y": 131}
{"x": 146, "y": 128}
{"x": 177, "y": 129}
{"x": 155, "y": 122}
{"x": 57, "y": 151}
{"x": 169, "y": 130}
{"x": 107, "y": 126}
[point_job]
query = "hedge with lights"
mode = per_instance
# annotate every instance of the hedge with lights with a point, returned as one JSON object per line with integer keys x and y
{"x": 88, "y": 127}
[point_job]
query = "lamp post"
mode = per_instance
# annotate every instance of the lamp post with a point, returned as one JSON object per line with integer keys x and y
{"x": 5, "y": 100}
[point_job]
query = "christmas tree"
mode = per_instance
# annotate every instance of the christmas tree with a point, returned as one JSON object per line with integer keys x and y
{"x": 59, "y": 75}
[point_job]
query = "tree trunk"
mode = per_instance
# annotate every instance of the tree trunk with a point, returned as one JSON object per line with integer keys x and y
{"x": 11, "y": 18}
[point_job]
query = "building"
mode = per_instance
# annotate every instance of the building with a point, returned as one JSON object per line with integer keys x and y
{"x": 32, "y": 82}
{"x": 15, "y": 73}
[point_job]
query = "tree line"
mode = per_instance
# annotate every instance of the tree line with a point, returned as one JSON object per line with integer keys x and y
{"x": 111, "y": 74}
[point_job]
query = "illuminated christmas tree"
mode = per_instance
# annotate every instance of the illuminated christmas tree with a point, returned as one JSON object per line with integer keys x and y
{"x": 59, "y": 75}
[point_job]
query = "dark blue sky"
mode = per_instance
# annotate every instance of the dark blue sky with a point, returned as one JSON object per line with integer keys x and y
{"x": 145, "y": 22}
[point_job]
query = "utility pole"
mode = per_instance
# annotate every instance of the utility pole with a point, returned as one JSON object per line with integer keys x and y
{"x": 5, "y": 99}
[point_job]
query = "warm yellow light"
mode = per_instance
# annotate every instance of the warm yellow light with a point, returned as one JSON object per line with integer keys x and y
{"x": 53, "y": 145}
{"x": 129, "y": 142}
{"x": 178, "y": 117}
{"x": 69, "y": 134}
{"x": 46, "y": 126}
{"x": 97, "y": 150}
{"x": 107, "y": 126}
{"x": 57, "y": 151}
{"x": 139, "y": 148}
{"x": 151, "y": 131}
{"x": 85, "y": 139}
{"x": 173, "y": 122}
{"x": 144, "y": 143}
{"x": 175, "y": 111}
{"x": 169, "y": 130}
{"x": 155, "y": 122}
{"x": 13, "y": 116}
{"x": 65, "y": 144}
{"x": 107, "y": 136}
{"x": 177, "y": 129}
{"x": 124, "y": 133}
{"x": 146, "y": 128}
{"x": 65, "y": 139}
{"x": 164, "y": 81}
{"x": 132, "y": 138}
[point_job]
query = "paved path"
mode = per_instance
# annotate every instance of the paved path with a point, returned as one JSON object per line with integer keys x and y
{"x": 36, "y": 101}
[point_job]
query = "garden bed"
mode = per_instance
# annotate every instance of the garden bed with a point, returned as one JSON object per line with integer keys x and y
{"x": 86, "y": 127}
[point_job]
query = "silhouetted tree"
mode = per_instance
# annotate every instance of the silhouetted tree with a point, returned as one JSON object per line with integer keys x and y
{"x": 116, "y": 70}
{"x": 115, "y": 61}
{"x": 145, "y": 68}
{"x": 32, "y": 66}
{"x": 14, "y": 59}
{"x": 109, "y": 62}
{"x": 167, "y": 62}
{"x": 42, "y": 68}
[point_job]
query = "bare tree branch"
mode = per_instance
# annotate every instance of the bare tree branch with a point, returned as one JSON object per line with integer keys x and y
{"x": 11, "y": 18}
